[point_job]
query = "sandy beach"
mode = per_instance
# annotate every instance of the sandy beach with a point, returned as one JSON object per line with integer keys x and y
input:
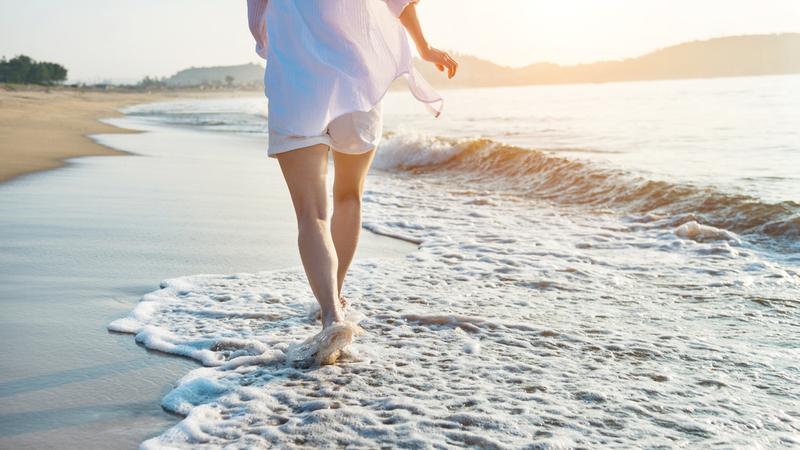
{"x": 43, "y": 127}
{"x": 83, "y": 243}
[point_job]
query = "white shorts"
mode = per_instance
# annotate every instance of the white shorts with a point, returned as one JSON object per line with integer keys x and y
{"x": 353, "y": 133}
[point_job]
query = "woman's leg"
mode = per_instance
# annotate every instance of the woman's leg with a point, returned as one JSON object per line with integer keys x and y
{"x": 348, "y": 187}
{"x": 305, "y": 171}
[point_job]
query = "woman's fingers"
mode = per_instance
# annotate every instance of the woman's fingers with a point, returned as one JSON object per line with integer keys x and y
{"x": 442, "y": 61}
{"x": 452, "y": 66}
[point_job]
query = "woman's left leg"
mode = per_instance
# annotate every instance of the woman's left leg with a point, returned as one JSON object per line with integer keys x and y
{"x": 348, "y": 188}
{"x": 305, "y": 171}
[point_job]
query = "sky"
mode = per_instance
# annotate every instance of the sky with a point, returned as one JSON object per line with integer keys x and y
{"x": 124, "y": 40}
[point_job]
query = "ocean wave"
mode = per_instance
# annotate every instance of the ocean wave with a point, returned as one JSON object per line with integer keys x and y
{"x": 536, "y": 174}
{"x": 518, "y": 327}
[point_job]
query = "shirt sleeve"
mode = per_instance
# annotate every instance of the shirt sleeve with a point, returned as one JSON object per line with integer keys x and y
{"x": 256, "y": 12}
{"x": 397, "y": 6}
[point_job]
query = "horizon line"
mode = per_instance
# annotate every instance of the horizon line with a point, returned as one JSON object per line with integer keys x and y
{"x": 101, "y": 80}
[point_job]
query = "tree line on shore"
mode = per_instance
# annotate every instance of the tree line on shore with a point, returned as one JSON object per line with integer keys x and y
{"x": 24, "y": 70}
{"x": 229, "y": 82}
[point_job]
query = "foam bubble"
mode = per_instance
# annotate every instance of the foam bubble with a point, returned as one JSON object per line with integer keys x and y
{"x": 698, "y": 232}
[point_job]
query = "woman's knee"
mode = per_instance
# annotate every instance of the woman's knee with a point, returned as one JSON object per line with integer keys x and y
{"x": 348, "y": 191}
{"x": 350, "y": 195}
{"x": 351, "y": 172}
{"x": 311, "y": 212}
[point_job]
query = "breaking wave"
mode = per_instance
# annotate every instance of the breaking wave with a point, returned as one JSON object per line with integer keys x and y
{"x": 539, "y": 175}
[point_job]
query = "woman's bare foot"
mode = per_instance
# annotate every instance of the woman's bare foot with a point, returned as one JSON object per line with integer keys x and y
{"x": 324, "y": 347}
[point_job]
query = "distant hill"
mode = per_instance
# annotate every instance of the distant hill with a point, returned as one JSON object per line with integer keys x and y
{"x": 242, "y": 75}
{"x": 721, "y": 57}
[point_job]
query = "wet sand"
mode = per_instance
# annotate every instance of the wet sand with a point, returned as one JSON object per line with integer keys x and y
{"x": 81, "y": 244}
{"x": 42, "y": 127}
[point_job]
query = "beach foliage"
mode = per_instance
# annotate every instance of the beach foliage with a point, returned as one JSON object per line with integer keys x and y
{"x": 24, "y": 69}
{"x": 152, "y": 83}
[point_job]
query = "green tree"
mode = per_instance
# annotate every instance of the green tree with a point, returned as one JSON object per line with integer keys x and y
{"x": 38, "y": 73}
{"x": 23, "y": 69}
{"x": 17, "y": 69}
{"x": 56, "y": 72}
{"x": 151, "y": 83}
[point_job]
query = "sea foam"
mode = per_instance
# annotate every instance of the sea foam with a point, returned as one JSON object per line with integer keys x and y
{"x": 515, "y": 325}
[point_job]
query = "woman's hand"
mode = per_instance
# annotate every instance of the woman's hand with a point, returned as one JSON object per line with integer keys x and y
{"x": 439, "y": 58}
{"x": 442, "y": 60}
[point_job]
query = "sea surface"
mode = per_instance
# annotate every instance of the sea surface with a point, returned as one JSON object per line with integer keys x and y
{"x": 599, "y": 266}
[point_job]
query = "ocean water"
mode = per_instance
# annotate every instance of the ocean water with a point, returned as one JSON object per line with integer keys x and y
{"x": 599, "y": 266}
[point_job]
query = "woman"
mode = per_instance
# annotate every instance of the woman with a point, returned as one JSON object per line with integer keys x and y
{"x": 329, "y": 64}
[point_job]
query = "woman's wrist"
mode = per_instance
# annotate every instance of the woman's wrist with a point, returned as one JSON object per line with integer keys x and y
{"x": 423, "y": 47}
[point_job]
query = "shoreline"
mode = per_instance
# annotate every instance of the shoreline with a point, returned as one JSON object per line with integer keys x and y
{"x": 85, "y": 243}
{"x": 44, "y": 128}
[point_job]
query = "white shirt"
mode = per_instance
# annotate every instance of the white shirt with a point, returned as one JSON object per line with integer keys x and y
{"x": 327, "y": 58}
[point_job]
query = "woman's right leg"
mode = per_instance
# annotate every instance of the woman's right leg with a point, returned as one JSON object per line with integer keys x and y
{"x": 348, "y": 188}
{"x": 305, "y": 171}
